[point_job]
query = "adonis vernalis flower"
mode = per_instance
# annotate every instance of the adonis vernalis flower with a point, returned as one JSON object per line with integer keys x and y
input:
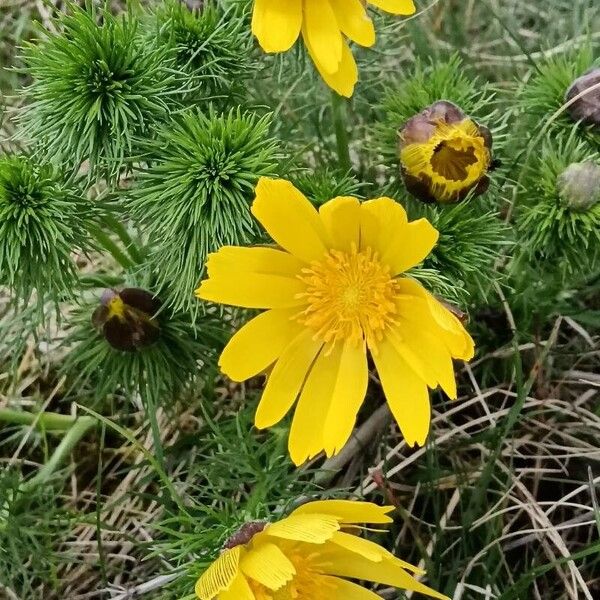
{"x": 309, "y": 555}
{"x": 444, "y": 154}
{"x": 333, "y": 290}
{"x": 324, "y": 25}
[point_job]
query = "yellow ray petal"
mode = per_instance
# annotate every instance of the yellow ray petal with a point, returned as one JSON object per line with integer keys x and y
{"x": 341, "y": 218}
{"x": 387, "y": 572}
{"x": 348, "y": 511}
{"x": 254, "y": 290}
{"x": 238, "y": 261}
{"x": 219, "y": 575}
{"x": 346, "y": 590}
{"x": 345, "y": 78}
{"x": 354, "y": 22}
{"x": 289, "y": 218}
{"x": 381, "y": 221}
{"x": 420, "y": 365}
{"x": 286, "y": 379}
{"x": 277, "y": 24}
{"x": 348, "y": 395}
{"x": 410, "y": 246}
{"x": 239, "y": 590}
{"x": 405, "y": 392}
{"x": 322, "y": 32}
{"x": 268, "y": 565}
{"x": 309, "y": 528}
{"x": 306, "y": 432}
{"x": 259, "y": 343}
{"x": 396, "y": 7}
{"x": 358, "y": 545}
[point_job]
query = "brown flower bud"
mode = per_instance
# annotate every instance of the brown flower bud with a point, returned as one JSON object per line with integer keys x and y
{"x": 127, "y": 318}
{"x": 444, "y": 155}
{"x": 586, "y": 108}
{"x": 579, "y": 186}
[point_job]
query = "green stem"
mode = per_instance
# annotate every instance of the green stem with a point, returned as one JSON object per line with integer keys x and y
{"x": 108, "y": 244}
{"x": 121, "y": 231}
{"x": 81, "y": 426}
{"x": 100, "y": 281}
{"x": 47, "y": 421}
{"x": 340, "y": 117}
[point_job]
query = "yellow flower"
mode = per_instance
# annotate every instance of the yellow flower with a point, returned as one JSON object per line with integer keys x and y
{"x": 333, "y": 289}
{"x": 324, "y": 25}
{"x": 444, "y": 154}
{"x": 309, "y": 556}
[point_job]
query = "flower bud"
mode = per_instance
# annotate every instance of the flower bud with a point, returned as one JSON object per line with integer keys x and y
{"x": 579, "y": 186}
{"x": 127, "y": 318}
{"x": 586, "y": 108}
{"x": 444, "y": 154}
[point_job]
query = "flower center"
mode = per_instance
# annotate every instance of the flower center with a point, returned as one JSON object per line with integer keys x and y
{"x": 306, "y": 584}
{"x": 349, "y": 296}
{"x": 452, "y": 158}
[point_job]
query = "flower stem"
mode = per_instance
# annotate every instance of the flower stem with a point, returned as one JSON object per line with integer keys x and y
{"x": 109, "y": 245}
{"x": 75, "y": 427}
{"x": 121, "y": 231}
{"x": 340, "y": 117}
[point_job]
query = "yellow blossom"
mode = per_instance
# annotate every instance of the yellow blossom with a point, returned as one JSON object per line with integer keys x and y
{"x": 310, "y": 555}
{"x": 325, "y": 26}
{"x": 334, "y": 289}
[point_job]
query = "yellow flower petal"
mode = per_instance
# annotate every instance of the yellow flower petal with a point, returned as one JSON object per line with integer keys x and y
{"x": 277, "y": 24}
{"x": 286, "y": 379}
{"x": 268, "y": 565}
{"x": 341, "y": 218}
{"x": 309, "y": 528}
{"x": 381, "y": 222}
{"x": 431, "y": 352}
{"x": 259, "y": 343}
{"x": 396, "y": 7}
{"x": 219, "y": 575}
{"x": 239, "y": 590}
{"x": 254, "y": 290}
{"x": 421, "y": 366}
{"x": 406, "y": 393}
{"x": 348, "y": 511}
{"x": 237, "y": 261}
{"x": 358, "y": 545}
{"x": 348, "y": 395}
{"x": 289, "y": 218}
{"x": 306, "y": 433}
{"x": 344, "y": 79}
{"x": 410, "y": 246}
{"x": 322, "y": 32}
{"x": 343, "y": 563}
{"x": 347, "y": 590}
{"x": 354, "y": 22}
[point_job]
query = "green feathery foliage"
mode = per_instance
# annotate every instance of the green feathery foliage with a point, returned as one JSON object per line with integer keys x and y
{"x": 183, "y": 353}
{"x": 31, "y": 527}
{"x": 544, "y": 93}
{"x": 98, "y": 84}
{"x": 554, "y": 233}
{"x": 211, "y": 46}
{"x": 43, "y": 220}
{"x": 195, "y": 196}
{"x": 324, "y": 183}
{"x": 471, "y": 240}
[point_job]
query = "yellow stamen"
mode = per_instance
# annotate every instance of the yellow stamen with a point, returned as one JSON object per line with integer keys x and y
{"x": 350, "y": 296}
{"x": 116, "y": 307}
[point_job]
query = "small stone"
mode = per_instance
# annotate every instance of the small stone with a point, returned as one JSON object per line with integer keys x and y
{"x": 586, "y": 108}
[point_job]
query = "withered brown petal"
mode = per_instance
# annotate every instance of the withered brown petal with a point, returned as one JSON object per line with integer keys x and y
{"x": 119, "y": 334}
{"x": 140, "y": 299}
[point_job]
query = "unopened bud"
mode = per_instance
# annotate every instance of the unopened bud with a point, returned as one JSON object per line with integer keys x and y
{"x": 579, "y": 186}
{"x": 587, "y": 107}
